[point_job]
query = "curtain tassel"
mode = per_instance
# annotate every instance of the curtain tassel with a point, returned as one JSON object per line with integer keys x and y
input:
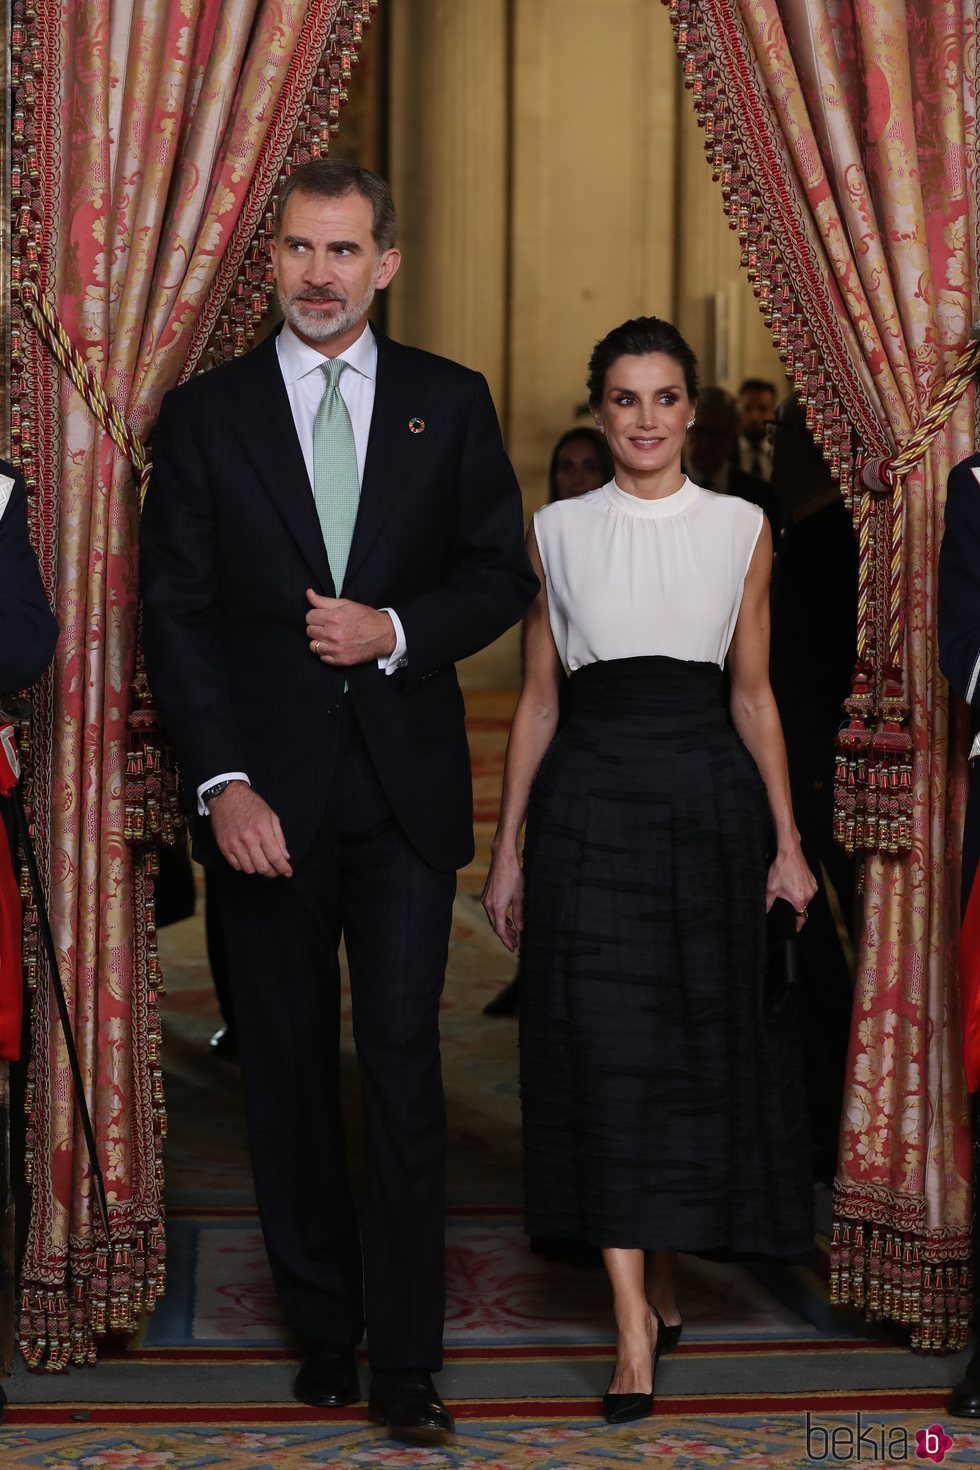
{"x": 892, "y": 1282}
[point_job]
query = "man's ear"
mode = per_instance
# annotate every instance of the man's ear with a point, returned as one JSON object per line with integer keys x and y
{"x": 390, "y": 262}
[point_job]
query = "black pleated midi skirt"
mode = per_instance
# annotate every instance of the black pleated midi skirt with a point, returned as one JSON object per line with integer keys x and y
{"x": 662, "y": 1106}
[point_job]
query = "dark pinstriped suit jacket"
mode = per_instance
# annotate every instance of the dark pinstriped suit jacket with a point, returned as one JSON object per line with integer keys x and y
{"x": 959, "y": 626}
{"x": 28, "y": 628}
{"x": 230, "y": 541}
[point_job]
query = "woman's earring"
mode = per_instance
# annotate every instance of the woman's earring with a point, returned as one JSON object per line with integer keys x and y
{"x": 601, "y": 428}
{"x": 690, "y": 423}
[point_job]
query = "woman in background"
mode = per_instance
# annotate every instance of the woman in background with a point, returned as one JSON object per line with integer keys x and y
{"x": 661, "y": 1111}
{"x": 580, "y": 462}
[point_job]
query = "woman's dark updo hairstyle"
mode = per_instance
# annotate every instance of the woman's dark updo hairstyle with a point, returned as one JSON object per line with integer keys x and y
{"x": 639, "y": 338}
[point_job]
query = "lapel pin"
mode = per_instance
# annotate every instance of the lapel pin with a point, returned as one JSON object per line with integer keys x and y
{"x": 416, "y": 426}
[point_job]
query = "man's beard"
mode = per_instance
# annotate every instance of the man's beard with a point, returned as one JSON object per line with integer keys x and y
{"x": 318, "y": 328}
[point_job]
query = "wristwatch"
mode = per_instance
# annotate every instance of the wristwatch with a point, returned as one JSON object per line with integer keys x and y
{"x": 215, "y": 790}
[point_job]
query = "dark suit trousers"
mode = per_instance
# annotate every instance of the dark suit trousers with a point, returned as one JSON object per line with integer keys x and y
{"x": 362, "y": 879}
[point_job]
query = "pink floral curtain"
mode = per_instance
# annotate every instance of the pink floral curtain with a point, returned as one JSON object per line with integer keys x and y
{"x": 148, "y": 140}
{"x": 843, "y": 135}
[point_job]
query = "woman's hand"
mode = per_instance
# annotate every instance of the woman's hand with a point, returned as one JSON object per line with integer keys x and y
{"x": 790, "y": 878}
{"x": 503, "y": 899}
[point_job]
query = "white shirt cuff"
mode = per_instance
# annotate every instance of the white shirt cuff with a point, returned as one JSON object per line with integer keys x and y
{"x": 972, "y": 686}
{"x": 397, "y": 658}
{"x": 205, "y": 787}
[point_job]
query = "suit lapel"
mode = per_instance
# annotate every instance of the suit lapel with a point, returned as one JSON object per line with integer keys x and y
{"x": 386, "y": 444}
{"x": 268, "y": 436}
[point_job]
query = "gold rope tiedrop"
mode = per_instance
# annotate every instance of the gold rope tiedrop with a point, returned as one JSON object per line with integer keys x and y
{"x": 873, "y": 788}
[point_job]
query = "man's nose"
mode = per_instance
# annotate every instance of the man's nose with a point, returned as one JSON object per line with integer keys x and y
{"x": 318, "y": 268}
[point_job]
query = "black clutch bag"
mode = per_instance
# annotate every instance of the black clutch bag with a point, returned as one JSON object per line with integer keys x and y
{"x": 782, "y": 957}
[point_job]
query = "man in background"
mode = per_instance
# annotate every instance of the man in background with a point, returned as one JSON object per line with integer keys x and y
{"x": 959, "y": 659}
{"x": 28, "y": 628}
{"x": 756, "y": 406}
{"x": 711, "y": 460}
{"x": 28, "y": 634}
{"x": 814, "y": 638}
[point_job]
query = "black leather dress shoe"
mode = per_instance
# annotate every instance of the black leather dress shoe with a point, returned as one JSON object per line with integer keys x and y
{"x": 964, "y": 1401}
{"x": 328, "y": 1377}
{"x": 406, "y": 1402}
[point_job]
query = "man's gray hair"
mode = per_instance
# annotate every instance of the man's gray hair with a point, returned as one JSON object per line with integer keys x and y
{"x": 333, "y": 178}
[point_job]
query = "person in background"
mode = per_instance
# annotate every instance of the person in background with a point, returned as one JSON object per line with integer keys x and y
{"x": 580, "y": 462}
{"x": 28, "y": 636}
{"x": 959, "y": 659}
{"x": 756, "y": 405}
{"x": 814, "y": 622}
{"x": 711, "y": 460}
{"x": 661, "y": 1109}
{"x": 28, "y": 627}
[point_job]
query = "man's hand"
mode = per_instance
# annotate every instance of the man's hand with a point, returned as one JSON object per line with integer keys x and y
{"x": 344, "y": 633}
{"x": 248, "y": 833}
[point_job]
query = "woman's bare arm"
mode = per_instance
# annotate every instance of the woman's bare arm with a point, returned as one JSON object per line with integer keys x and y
{"x": 756, "y": 719}
{"x": 533, "y": 728}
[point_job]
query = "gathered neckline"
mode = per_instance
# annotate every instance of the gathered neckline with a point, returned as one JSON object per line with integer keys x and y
{"x": 667, "y": 505}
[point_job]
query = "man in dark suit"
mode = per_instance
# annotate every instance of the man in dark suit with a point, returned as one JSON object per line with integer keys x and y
{"x": 28, "y": 629}
{"x": 708, "y": 455}
{"x": 332, "y": 523}
{"x": 813, "y": 648}
{"x": 28, "y": 634}
{"x": 959, "y": 659}
{"x": 755, "y": 406}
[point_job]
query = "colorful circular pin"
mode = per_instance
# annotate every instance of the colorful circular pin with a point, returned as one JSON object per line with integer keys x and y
{"x": 416, "y": 426}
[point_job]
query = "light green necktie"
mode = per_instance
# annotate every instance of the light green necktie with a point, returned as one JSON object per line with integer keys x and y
{"x": 336, "y": 488}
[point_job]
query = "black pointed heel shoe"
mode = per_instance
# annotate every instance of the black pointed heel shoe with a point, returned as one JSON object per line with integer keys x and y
{"x": 671, "y": 1335}
{"x": 623, "y": 1408}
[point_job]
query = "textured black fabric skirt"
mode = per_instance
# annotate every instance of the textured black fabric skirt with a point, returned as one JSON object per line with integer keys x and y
{"x": 662, "y": 1106}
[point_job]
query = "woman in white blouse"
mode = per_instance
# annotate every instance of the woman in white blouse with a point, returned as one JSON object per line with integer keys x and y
{"x": 661, "y": 1107}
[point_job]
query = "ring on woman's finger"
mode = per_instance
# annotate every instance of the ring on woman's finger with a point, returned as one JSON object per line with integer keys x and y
{"x": 316, "y": 648}
{"x": 801, "y": 913}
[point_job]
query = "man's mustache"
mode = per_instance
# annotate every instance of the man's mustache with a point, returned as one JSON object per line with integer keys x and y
{"x": 315, "y": 294}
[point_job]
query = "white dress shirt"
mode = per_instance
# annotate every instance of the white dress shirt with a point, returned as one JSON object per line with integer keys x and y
{"x": 301, "y": 366}
{"x": 746, "y": 455}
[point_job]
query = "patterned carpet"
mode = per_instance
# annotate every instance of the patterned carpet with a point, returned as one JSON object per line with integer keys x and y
{"x": 751, "y": 1441}
{"x": 207, "y": 1380}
